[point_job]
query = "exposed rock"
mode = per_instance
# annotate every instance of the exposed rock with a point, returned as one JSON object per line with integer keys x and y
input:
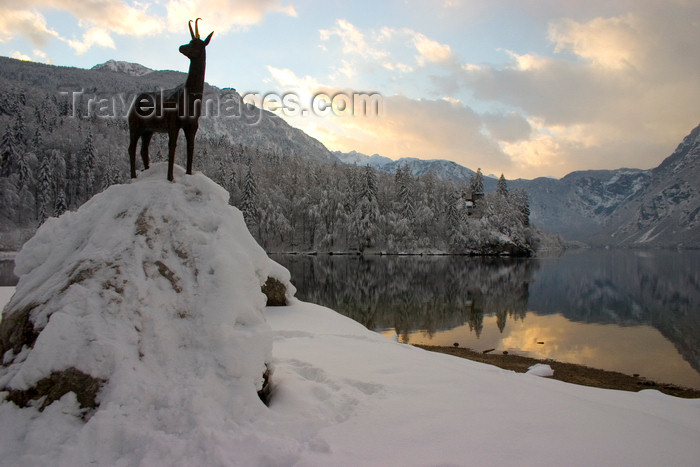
{"x": 16, "y": 330}
{"x": 275, "y": 291}
{"x": 55, "y": 386}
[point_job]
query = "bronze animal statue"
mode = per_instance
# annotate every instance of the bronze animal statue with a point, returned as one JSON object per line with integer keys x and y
{"x": 169, "y": 110}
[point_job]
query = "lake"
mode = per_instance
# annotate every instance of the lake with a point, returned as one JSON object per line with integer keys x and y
{"x": 624, "y": 310}
{"x": 632, "y": 311}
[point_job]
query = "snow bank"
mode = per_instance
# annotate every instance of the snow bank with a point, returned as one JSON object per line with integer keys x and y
{"x": 342, "y": 395}
{"x": 153, "y": 288}
{"x": 376, "y": 403}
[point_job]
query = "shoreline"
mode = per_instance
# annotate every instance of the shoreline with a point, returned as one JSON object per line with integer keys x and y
{"x": 568, "y": 372}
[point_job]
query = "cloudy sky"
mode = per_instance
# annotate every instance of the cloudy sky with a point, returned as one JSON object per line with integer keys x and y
{"x": 523, "y": 87}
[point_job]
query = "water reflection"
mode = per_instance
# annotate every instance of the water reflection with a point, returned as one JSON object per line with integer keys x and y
{"x": 626, "y": 288}
{"x": 410, "y": 293}
{"x": 622, "y": 310}
{"x": 7, "y": 276}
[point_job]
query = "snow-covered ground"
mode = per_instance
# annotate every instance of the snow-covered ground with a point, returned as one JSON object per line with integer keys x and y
{"x": 342, "y": 395}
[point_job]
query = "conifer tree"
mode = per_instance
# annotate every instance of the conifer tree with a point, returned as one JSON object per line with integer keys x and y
{"x": 250, "y": 199}
{"x": 502, "y": 188}
{"x": 60, "y": 206}
{"x": 45, "y": 190}
{"x": 87, "y": 168}
{"x": 477, "y": 182}
{"x": 9, "y": 152}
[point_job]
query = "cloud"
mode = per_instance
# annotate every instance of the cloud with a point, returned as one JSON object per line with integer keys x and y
{"x": 353, "y": 40}
{"x": 28, "y": 23}
{"x": 98, "y": 19}
{"x": 510, "y": 127}
{"x": 605, "y": 42}
{"x": 383, "y": 49}
{"x": 93, "y": 36}
{"x": 41, "y": 56}
{"x": 619, "y": 90}
{"x": 111, "y": 15}
{"x": 426, "y": 128}
{"x": 20, "y": 56}
{"x": 430, "y": 50}
{"x": 223, "y": 15}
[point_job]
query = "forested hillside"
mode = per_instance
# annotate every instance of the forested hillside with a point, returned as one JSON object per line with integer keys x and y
{"x": 61, "y": 144}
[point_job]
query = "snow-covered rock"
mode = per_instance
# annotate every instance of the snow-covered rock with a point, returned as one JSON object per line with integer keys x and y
{"x": 151, "y": 293}
{"x": 540, "y": 369}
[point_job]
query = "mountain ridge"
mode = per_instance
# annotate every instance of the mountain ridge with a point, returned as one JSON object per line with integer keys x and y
{"x": 667, "y": 212}
{"x": 599, "y": 207}
{"x": 624, "y": 207}
{"x": 128, "y": 68}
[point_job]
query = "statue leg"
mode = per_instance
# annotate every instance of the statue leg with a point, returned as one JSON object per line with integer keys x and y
{"x": 145, "y": 141}
{"x": 172, "y": 144}
{"x": 189, "y": 136}
{"x": 133, "y": 139}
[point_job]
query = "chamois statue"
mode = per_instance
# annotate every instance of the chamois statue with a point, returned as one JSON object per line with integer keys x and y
{"x": 168, "y": 111}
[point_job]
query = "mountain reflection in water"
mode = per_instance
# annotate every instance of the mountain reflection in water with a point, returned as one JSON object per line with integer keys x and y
{"x": 622, "y": 310}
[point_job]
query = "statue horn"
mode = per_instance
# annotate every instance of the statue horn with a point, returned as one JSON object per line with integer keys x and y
{"x": 196, "y": 28}
{"x": 191, "y": 32}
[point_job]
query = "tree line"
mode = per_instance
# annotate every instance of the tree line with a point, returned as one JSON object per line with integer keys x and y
{"x": 52, "y": 161}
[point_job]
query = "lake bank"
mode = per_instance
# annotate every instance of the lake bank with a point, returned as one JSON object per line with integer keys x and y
{"x": 625, "y": 311}
{"x": 568, "y": 372}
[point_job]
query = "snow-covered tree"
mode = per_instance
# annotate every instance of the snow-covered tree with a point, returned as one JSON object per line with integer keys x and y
{"x": 9, "y": 199}
{"x": 112, "y": 174}
{"x": 249, "y": 203}
{"x": 9, "y": 152}
{"x": 45, "y": 191}
{"x": 521, "y": 203}
{"x": 477, "y": 182}
{"x": 60, "y": 206}
{"x": 87, "y": 168}
{"x": 502, "y": 187}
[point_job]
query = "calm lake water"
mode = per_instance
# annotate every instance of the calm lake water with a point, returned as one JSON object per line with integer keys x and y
{"x": 622, "y": 310}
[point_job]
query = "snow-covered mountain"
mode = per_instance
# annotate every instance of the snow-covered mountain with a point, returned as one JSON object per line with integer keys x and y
{"x": 665, "y": 212}
{"x": 357, "y": 158}
{"x": 577, "y": 205}
{"x": 252, "y": 127}
{"x": 131, "y": 69}
{"x": 623, "y": 207}
{"x": 443, "y": 169}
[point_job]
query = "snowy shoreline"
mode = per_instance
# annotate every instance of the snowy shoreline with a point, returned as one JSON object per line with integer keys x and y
{"x": 569, "y": 372}
{"x": 385, "y": 253}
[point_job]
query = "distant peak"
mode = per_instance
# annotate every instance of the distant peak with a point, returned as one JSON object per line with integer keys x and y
{"x": 132, "y": 69}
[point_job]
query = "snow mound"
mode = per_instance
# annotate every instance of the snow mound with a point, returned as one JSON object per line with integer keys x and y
{"x": 540, "y": 369}
{"x": 151, "y": 292}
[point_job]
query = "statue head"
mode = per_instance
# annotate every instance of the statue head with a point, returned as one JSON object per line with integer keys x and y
{"x": 196, "y": 46}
